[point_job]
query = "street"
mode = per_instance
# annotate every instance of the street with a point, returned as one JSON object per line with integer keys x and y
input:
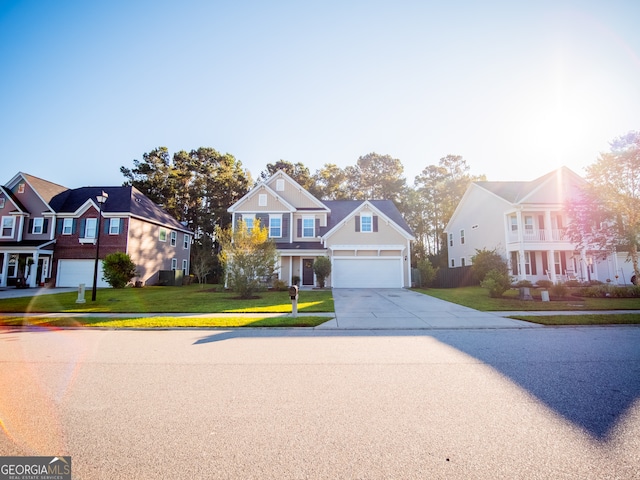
{"x": 294, "y": 403}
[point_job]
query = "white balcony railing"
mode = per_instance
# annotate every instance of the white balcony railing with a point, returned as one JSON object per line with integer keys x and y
{"x": 537, "y": 235}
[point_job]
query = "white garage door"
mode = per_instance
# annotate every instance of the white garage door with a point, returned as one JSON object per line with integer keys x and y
{"x": 367, "y": 273}
{"x": 72, "y": 273}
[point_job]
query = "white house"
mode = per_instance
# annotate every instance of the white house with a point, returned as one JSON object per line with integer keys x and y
{"x": 525, "y": 222}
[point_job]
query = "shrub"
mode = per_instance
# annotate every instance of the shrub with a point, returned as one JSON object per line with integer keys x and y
{"x": 544, "y": 283}
{"x": 524, "y": 283}
{"x": 559, "y": 290}
{"x": 496, "y": 282}
{"x": 280, "y": 285}
{"x": 295, "y": 280}
{"x": 322, "y": 269}
{"x": 427, "y": 272}
{"x": 486, "y": 260}
{"x": 118, "y": 269}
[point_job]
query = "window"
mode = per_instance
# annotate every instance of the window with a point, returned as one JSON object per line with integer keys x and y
{"x": 248, "y": 221}
{"x": 114, "y": 226}
{"x": 308, "y": 227}
{"x": 462, "y": 239}
{"x": 7, "y": 226}
{"x": 527, "y": 263}
{"x": 262, "y": 200}
{"x": 174, "y": 264}
{"x": 462, "y": 262}
{"x": 451, "y": 239}
{"x": 67, "y": 226}
{"x": 162, "y": 236}
{"x": 21, "y": 188}
{"x": 2, "y": 202}
{"x": 280, "y": 185}
{"x": 174, "y": 239}
{"x": 38, "y": 224}
{"x": 185, "y": 242}
{"x": 453, "y": 262}
{"x": 514, "y": 223}
{"x": 557, "y": 263}
{"x": 184, "y": 267}
{"x": 366, "y": 223}
{"x": 528, "y": 225}
{"x": 90, "y": 227}
{"x": 275, "y": 226}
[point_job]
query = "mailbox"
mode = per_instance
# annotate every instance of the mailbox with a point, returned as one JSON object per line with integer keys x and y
{"x": 293, "y": 292}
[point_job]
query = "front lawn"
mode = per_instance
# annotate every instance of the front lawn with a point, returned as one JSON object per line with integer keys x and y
{"x": 186, "y": 299}
{"x": 163, "y": 322}
{"x": 478, "y": 298}
{"x": 590, "y": 319}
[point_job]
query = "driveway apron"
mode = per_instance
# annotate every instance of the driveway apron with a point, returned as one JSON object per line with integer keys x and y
{"x": 363, "y": 308}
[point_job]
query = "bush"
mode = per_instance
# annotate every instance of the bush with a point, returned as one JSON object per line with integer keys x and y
{"x": 280, "y": 285}
{"x": 118, "y": 269}
{"x": 322, "y": 269}
{"x": 486, "y": 260}
{"x": 524, "y": 283}
{"x": 427, "y": 273}
{"x": 496, "y": 282}
{"x": 559, "y": 290}
{"x": 544, "y": 283}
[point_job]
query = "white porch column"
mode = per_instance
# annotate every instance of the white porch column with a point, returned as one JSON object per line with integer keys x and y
{"x": 33, "y": 271}
{"x": 584, "y": 266}
{"x": 520, "y": 228}
{"x": 5, "y": 269}
{"x": 548, "y": 231}
{"x": 522, "y": 273}
{"x": 290, "y": 270}
{"x": 551, "y": 260}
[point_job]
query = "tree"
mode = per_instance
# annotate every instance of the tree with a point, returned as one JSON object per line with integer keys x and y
{"x": 248, "y": 257}
{"x": 607, "y": 214}
{"x": 322, "y": 269}
{"x": 427, "y": 272}
{"x": 203, "y": 258}
{"x": 377, "y": 177}
{"x": 486, "y": 260}
{"x": 118, "y": 269}
{"x": 329, "y": 183}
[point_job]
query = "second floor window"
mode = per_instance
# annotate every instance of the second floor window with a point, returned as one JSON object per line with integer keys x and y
{"x": 90, "y": 228}
{"x": 308, "y": 227}
{"x": 451, "y": 239}
{"x": 275, "y": 226}
{"x": 366, "y": 223}
{"x": 38, "y": 225}
{"x": 114, "y": 226}
{"x": 162, "y": 236}
{"x": 174, "y": 238}
{"x": 462, "y": 238}
{"x": 185, "y": 241}
{"x": 7, "y": 226}
{"x": 67, "y": 226}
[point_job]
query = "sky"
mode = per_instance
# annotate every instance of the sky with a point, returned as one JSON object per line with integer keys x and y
{"x": 516, "y": 88}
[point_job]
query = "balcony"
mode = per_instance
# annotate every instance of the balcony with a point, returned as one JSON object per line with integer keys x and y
{"x": 536, "y": 235}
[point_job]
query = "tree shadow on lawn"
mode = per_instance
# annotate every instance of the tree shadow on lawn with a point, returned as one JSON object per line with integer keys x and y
{"x": 590, "y": 376}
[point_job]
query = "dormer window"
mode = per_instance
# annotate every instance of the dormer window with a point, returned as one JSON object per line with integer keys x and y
{"x": 366, "y": 223}
{"x": 7, "y": 226}
{"x": 38, "y": 225}
{"x": 308, "y": 227}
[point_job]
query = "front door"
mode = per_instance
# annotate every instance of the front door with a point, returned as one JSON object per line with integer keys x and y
{"x": 307, "y": 271}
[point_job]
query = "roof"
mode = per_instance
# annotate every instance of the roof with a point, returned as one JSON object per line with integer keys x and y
{"x": 340, "y": 209}
{"x": 46, "y": 189}
{"x": 121, "y": 200}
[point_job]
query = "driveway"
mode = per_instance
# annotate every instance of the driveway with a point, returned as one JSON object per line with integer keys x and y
{"x": 365, "y": 308}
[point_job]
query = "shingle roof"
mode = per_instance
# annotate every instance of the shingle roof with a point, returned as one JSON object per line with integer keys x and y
{"x": 340, "y": 209}
{"x": 121, "y": 200}
{"x": 513, "y": 192}
{"x": 46, "y": 189}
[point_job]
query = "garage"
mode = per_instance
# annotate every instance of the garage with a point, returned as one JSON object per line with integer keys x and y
{"x": 72, "y": 273}
{"x": 370, "y": 272}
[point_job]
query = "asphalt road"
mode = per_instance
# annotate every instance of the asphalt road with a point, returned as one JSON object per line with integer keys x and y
{"x": 495, "y": 403}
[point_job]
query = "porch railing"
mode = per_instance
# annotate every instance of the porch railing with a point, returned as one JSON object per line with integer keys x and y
{"x": 539, "y": 235}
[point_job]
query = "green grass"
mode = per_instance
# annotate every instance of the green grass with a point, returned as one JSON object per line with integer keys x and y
{"x": 591, "y": 319}
{"x": 163, "y": 322}
{"x": 478, "y": 298}
{"x": 186, "y": 299}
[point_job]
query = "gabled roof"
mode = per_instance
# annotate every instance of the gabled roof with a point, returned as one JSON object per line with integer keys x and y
{"x": 254, "y": 191}
{"x": 517, "y": 192}
{"x": 122, "y": 200}
{"x": 284, "y": 175}
{"x": 12, "y": 198}
{"x": 343, "y": 209}
{"x": 47, "y": 190}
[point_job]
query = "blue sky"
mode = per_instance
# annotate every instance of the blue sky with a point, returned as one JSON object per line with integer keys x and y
{"x": 516, "y": 88}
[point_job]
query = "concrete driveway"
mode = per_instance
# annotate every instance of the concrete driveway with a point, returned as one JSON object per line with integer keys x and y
{"x": 364, "y": 308}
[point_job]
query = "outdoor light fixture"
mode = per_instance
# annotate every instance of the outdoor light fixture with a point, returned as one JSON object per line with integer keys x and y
{"x": 101, "y": 201}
